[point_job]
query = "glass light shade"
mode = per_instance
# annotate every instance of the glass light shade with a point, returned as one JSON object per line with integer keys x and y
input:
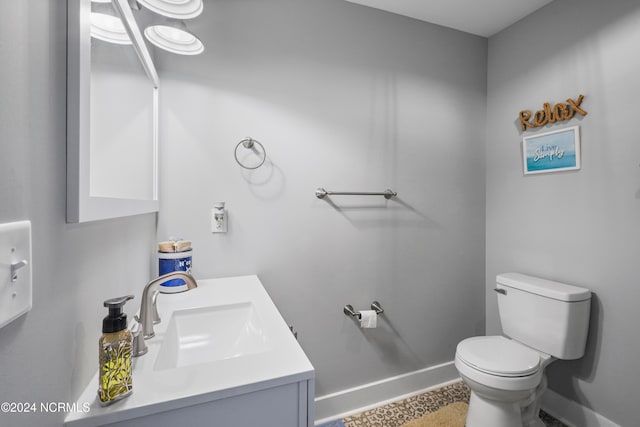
{"x": 108, "y": 28}
{"x": 175, "y": 38}
{"x": 177, "y": 9}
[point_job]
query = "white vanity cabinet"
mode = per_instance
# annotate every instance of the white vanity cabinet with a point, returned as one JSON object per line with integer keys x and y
{"x": 222, "y": 356}
{"x": 287, "y": 405}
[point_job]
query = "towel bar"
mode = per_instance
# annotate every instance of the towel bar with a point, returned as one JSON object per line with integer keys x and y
{"x": 321, "y": 193}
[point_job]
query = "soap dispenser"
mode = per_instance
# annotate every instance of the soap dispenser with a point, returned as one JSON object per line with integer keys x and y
{"x": 115, "y": 345}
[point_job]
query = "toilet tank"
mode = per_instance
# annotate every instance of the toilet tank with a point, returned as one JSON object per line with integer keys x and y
{"x": 548, "y": 316}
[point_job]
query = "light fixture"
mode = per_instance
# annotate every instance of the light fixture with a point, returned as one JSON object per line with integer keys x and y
{"x": 173, "y": 36}
{"x": 133, "y": 4}
{"x": 106, "y": 25}
{"x": 176, "y": 9}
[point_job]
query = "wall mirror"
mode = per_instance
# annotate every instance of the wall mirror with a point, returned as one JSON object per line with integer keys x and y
{"x": 112, "y": 114}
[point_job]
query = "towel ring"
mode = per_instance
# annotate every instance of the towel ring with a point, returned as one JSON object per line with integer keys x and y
{"x": 250, "y": 143}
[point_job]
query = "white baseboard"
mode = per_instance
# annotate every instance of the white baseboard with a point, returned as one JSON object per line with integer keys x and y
{"x": 572, "y": 413}
{"x": 357, "y": 399}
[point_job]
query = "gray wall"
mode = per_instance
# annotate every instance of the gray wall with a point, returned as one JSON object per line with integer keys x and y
{"x": 578, "y": 227}
{"x": 347, "y": 98}
{"x": 50, "y": 354}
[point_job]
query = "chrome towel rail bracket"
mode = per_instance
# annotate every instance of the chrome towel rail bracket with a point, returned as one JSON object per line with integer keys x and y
{"x": 321, "y": 193}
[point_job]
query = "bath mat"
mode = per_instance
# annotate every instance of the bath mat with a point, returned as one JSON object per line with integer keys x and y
{"x": 453, "y": 415}
{"x": 397, "y": 413}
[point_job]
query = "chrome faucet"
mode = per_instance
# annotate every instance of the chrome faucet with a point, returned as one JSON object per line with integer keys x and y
{"x": 148, "y": 311}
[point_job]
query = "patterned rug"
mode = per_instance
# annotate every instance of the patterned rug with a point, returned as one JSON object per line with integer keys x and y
{"x": 396, "y": 414}
{"x": 453, "y": 415}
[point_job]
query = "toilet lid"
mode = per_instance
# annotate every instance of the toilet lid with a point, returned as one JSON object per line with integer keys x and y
{"x": 498, "y": 356}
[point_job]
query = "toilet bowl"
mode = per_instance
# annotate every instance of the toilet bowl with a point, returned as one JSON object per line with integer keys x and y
{"x": 542, "y": 321}
{"x": 506, "y": 380}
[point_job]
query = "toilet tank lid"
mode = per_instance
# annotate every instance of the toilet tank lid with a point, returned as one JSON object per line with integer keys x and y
{"x": 544, "y": 287}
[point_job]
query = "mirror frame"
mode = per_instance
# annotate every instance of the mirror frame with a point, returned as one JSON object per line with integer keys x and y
{"x": 81, "y": 206}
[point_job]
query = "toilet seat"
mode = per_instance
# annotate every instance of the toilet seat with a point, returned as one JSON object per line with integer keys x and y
{"x": 515, "y": 367}
{"x": 499, "y": 356}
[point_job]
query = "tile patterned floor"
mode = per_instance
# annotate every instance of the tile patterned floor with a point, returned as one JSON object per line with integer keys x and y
{"x": 397, "y": 413}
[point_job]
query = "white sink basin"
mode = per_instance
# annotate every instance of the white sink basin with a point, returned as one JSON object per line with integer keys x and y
{"x": 207, "y": 334}
{"x": 224, "y": 338}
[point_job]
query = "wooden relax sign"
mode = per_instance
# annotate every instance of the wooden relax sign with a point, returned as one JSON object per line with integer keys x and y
{"x": 548, "y": 114}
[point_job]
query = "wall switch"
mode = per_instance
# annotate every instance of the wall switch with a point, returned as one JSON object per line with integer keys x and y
{"x": 219, "y": 218}
{"x": 15, "y": 270}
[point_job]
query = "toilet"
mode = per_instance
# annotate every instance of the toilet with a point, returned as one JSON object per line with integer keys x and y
{"x": 542, "y": 321}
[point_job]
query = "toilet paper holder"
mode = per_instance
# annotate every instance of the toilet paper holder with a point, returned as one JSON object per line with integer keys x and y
{"x": 349, "y": 311}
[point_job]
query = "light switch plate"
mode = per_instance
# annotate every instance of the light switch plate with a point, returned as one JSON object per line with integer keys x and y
{"x": 15, "y": 270}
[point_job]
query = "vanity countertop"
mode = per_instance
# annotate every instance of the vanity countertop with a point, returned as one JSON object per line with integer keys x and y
{"x": 158, "y": 388}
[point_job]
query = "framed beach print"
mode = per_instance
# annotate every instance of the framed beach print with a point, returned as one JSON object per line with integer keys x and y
{"x": 554, "y": 151}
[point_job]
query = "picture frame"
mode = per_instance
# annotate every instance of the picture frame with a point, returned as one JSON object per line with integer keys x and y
{"x": 554, "y": 151}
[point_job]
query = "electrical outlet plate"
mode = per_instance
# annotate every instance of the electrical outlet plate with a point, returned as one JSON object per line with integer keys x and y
{"x": 219, "y": 218}
{"x": 15, "y": 270}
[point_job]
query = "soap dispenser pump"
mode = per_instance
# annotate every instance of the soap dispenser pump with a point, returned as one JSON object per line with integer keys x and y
{"x": 115, "y": 345}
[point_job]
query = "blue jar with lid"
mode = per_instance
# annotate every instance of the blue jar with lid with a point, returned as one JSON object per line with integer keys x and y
{"x": 169, "y": 262}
